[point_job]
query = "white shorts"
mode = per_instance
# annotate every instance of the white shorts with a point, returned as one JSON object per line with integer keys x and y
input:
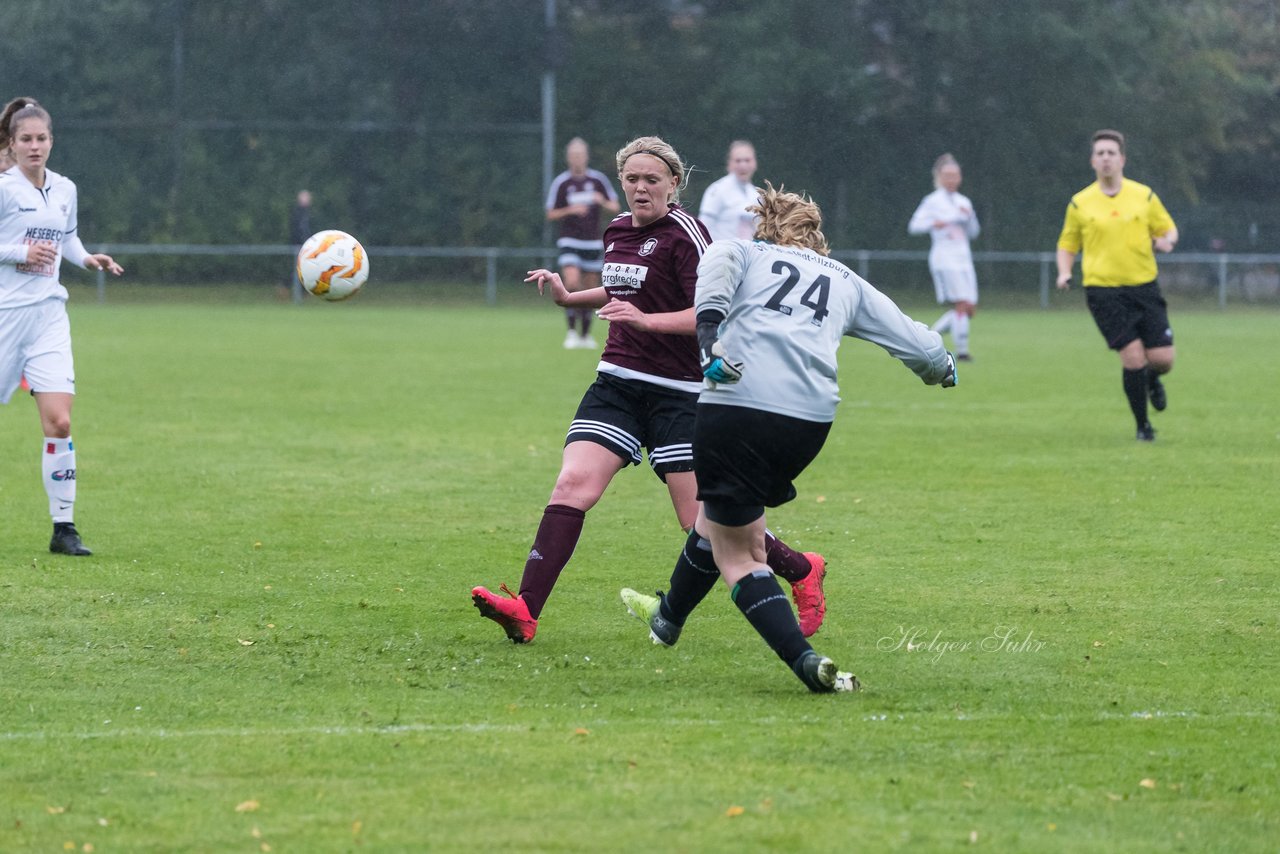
{"x": 955, "y": 285}
{"x": 586, "y": 255}
{"x": 35, "y": 341}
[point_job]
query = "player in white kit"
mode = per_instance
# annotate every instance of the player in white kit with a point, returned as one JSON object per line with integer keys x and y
{"x": 771, "y": 315}
{"x": 38, "y": 230}
{"x": 947, "y": 216}
{"x": 723, "y": 209}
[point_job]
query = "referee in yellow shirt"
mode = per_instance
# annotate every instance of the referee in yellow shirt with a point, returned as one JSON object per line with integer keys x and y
{"x": 1119, "y": 223}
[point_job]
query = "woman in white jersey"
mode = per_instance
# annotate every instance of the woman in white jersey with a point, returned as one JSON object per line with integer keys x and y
{"x": 948, "y": 217}
{"x": 770, "y": 316}
{"x": 37, "y": 230}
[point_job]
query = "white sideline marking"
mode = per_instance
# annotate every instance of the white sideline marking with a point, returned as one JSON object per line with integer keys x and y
{"x": 285, "y": 732}
{"x": 281, "y": 732}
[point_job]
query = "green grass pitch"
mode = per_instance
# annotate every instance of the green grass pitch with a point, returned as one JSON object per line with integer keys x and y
{"x": 273, "y": 647}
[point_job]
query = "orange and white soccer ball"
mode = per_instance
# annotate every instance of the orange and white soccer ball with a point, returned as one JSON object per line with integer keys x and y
{"x": 332, "y": 265}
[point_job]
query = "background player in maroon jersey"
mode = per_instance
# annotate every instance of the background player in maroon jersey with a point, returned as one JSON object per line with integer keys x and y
{"x": 575, "y": 200}
{"x": 645, "y": 393}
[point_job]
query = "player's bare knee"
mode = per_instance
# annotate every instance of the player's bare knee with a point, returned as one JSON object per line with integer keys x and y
{"x": 577, "y": 488}
{"x": 57, "y": 426}
{"x": 1161, "y": 360}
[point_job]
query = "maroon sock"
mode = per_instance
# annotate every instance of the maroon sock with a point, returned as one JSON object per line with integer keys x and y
{"x": 552, "y": 547}
{"x": 785, "y": 561}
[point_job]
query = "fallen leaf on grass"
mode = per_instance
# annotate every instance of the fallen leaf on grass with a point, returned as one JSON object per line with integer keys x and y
{"x": 1147, "y": 783}
{"x": 55, "y": 810}
{"x": 1112, "y": 797}
{"x": 247, "y": 806}
{"x": 581, "y": 731}
{"x": 973, "y": 837}
{"x": 734, "y": 812}
{"x": 244, "y": 642}
{"x": 355, "y": 827}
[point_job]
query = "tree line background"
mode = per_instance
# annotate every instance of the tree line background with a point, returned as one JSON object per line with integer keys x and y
{"x": 418, "y": 122}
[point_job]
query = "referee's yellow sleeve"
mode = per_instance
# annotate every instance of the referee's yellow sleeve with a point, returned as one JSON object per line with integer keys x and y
{"x": 1069, "y": 239}
{"x": 1159, "y": 220}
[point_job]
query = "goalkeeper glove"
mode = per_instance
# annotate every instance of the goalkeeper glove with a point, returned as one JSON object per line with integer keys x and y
{"x": 952, "y": 378}
{"x": 716, "y": 365}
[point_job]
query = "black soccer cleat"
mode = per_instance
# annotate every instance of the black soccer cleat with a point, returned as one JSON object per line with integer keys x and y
{"x": 820, "y": 675}
{"x": 1146, "y": 433}
{"x": 1155, "y": 390}
{"x": 66, "y": 540}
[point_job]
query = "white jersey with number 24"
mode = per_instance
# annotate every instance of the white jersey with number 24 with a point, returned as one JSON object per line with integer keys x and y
{"x": 786, "y": 310}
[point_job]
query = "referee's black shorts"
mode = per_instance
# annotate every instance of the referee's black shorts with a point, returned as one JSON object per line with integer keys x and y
{"x": 745, "y": 459}
{"x": 1130, "y": 313}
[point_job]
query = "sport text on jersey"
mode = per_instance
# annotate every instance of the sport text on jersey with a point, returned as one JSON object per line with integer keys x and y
{"x": 624, "y": 278}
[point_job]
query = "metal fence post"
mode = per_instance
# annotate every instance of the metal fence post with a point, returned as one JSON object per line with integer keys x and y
{"x": 491, "y": 276}
{"x": 1044, "y": 280}
{"x": 1222, "y": 281}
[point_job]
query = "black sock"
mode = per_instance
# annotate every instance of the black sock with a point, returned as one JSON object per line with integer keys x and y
{"x": 694, "y": 575}
{"x": 1135, "y": 388}
{"x": 765, "y": 606}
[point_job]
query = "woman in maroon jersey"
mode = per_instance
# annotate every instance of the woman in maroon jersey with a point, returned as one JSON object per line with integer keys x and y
{"x": 645, "y": 393}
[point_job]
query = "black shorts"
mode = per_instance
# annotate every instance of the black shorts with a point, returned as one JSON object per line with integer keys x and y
{"x": 625, "y": 415}
{"x": 745, "y": 459}
{"x": 1130, "y": 313}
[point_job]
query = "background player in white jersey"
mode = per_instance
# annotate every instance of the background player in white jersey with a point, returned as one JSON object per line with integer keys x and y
{"x": 947, "y": 216}
{"x": 723, "y": 209}
{"x": 38, "y": 230}
{"x": 645, "y": 392}
{"x": 575, "y": 199}
{"x": 771, "y": 315}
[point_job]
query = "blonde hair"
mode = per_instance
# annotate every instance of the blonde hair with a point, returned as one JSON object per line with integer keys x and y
{"x": 787, "y": 219}
{"x": 655, "y": 147}
{"x": 942, "y": 162}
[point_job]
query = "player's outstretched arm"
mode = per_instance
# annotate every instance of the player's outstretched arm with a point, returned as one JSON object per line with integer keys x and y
{"x": 562, "y": 296}
{"x": 880, "y": 321}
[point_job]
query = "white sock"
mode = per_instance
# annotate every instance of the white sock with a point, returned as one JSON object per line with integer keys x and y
{"x": 960, "y": 332}
{"x": 942, "y": 324}
{"x": 58, "y": 464}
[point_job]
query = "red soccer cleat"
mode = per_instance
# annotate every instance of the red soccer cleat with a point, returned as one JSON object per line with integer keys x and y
{"x": 811, "y": 602}
{"x": 512, "y": 614}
